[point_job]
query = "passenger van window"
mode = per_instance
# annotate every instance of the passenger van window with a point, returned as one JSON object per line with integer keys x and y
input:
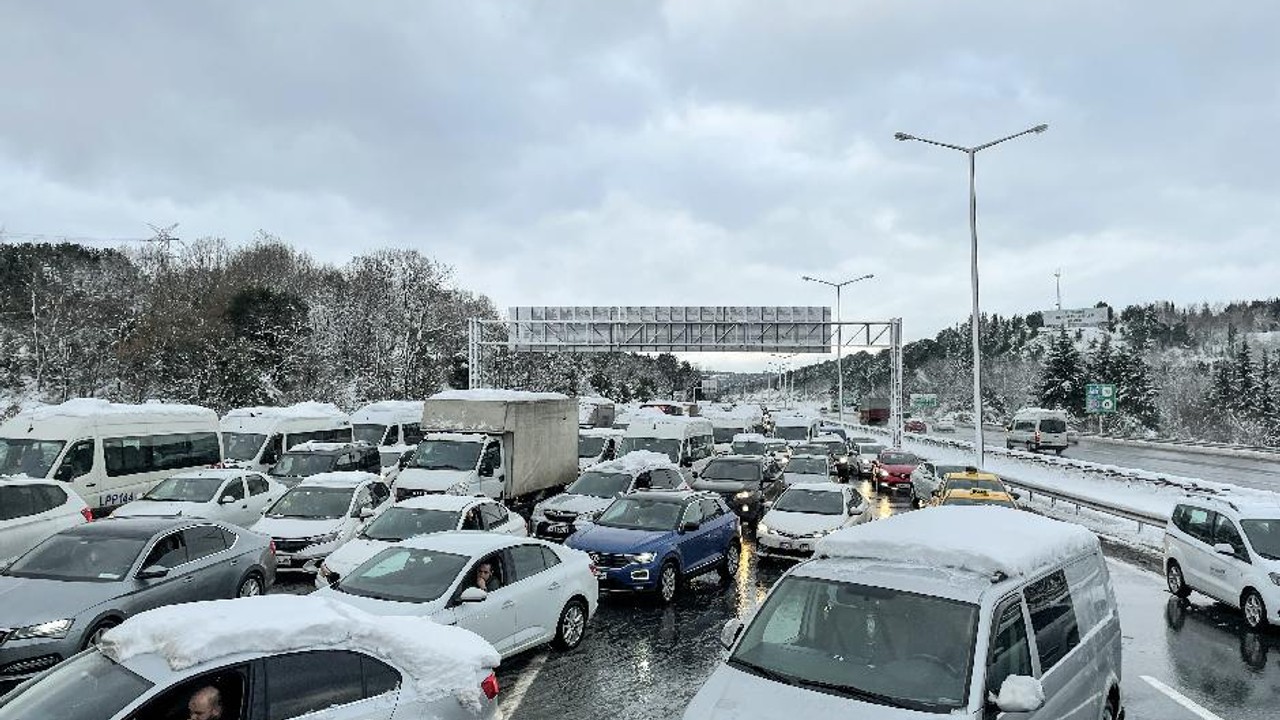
{"x": 151, "y": 453}
{"x": 1024, "y": 425}
{"x": 1087, "y": 578}
{"x": 78, "y": 461}
{"x": 1053, "y": 617}
{"x": 1010, "y": 650}
{"x": 1224, "y": 531}
{"x": 412, "y": 433}
{"x": 257, "y": 484}
{"x": 1199, "y": 524}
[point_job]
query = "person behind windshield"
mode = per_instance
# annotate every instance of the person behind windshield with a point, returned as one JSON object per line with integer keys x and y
{"x": 205, "y": 704}
{"x": 485, "y": 579}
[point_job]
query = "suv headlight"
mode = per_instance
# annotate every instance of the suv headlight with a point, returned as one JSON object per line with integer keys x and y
{"x": 52, "y": 630}
{"x": 744, "y": 495}
{"x": 882, "y": 472}
{"x": 762, "y": 529}
{"x": 641, "y": 558}
{"x": 1275, "y": 578}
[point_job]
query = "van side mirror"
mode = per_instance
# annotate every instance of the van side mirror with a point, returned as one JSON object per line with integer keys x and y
{"x": 1224, "y": 549}
{"x": 1019, "y": 694}
{"x": 729, "y": 634}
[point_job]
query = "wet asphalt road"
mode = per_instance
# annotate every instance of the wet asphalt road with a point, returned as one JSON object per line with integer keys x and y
{"x": 645, "y": 661}
{"x": 1243, "y": 471}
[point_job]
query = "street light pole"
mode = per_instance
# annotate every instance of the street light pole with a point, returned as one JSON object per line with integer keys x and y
{"x": 979, "y": 449}
{"x": 839, "y": 338}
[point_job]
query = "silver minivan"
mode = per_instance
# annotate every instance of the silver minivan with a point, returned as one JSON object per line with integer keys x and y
{"x": 1036, "y": 429}
{"x": 905, "y": 616}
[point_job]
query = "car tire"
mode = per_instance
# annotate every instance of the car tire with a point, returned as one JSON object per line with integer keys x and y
{"x": 1176, "y": 581}
{"x": 1008, "y": 445}
{"x": 1254, "y": 609}
{"x": 732, "y": 558}
{"x": 93, "y": 636}
{"x": 572, "y": 626}
{"x": 250, "y": 586}
{"x": 1059, "y": 451}
{"x": 668, "y": 582}
{"x": 1031, "y": 448}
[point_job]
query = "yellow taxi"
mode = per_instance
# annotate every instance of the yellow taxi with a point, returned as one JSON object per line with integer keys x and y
{"x": 973, "y": 487}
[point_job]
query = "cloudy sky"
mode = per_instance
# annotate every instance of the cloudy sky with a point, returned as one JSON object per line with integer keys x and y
{"x": 686, "y": 152}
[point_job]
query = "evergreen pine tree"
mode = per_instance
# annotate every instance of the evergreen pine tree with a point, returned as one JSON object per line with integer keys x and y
{"x": 1136, "y": 392}
{"x": 1100, "y": 363}
{"x": 1062, "y": 379}
{"x": 1246, "y": 400}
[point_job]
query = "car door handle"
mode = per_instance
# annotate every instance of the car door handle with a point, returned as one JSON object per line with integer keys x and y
{"x": 235, "y": 561}
{"x": 554, "y": 586}
{"x": 508, "y": 604}
{"x": 188, "y": 578}
{"x": 91, "y": 484}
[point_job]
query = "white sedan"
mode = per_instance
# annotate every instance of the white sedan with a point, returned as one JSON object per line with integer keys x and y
{"x": 32, "y": 510}
{"x": 806, "y": 513}
{"x": 414, "y": 517}
{"x": 232, "y": 495}
{"x": 517, "y": 593}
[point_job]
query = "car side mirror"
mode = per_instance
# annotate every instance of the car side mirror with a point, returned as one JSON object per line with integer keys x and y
{"x": 690, "y": 526}
{"x": 405, "y": 460}
{"x": 1015, "y": 495}
{"x": 473, "y": 595}
{"x": 1224, "y": 549}
{"x": 226, "y": 500}
{"x": 729, "y": 634}
{"x": 153, "y": 572}
{"x": 364, "y": 513}
{"x": 686, "y": 462}
{"x": 1019, "y": 694}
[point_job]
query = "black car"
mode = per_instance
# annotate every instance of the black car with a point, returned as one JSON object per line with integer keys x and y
{"x": 311, "y": 458}
{"x": 746, "y": 482}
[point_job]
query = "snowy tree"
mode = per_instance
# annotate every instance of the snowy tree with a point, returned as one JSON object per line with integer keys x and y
{"x": 1062, "y": 377}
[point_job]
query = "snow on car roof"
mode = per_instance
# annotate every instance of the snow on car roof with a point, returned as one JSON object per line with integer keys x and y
{"x": 749, "y": 437}
{"x": 93, "y": 407}
{"x": 494, "y": 394}
{"x": 458, "y": 437}
{"x": 601, "y": 432}
{"x": 437, "y": 660}
{"x": 298, "y": 410}
{"x": 440, "y": 502}
{"x": 984, "y": 540}
{"x": 634, "y": 463}
{"x": 213, "y": 473}
{"x": 341, "y": 478}
{"x": 1247, "y": 507}
{"x": 317, "y": 446}
{"x": 468, "y": 542}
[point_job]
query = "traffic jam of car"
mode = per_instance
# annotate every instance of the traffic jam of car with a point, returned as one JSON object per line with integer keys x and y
{"x": 448, "y": 536}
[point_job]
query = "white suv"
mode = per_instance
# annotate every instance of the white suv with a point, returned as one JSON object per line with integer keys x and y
{"x": 1229, "y": 551}
{"x": 32, "y": 510}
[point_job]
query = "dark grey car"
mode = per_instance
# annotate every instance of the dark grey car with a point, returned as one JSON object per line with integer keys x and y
{"x": 58, "y": 597}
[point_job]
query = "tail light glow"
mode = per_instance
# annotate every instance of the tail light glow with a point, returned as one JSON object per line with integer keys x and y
{"x": 87, "y": 513}
{"x": 490, "y": 686}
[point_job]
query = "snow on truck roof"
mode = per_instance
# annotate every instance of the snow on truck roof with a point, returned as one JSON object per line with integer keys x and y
{"x": 793, "y": 420}
{"x": 389, "y": 410}
{"x": 437, "y": 660}
{"x": 309, "y": 410}
{"x": 983, "y": 540}
{"x": 494, "y": 394}
{"x": 601, "y": 432}
{"x": 634, "y": 463}
{"x": 93, "y": 407}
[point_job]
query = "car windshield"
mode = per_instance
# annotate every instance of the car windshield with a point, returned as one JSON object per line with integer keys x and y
{"x": 818, "y": 502}
{"x": 404, "y": 575}
{"x": 185, "y": 489}
{"x": 876, "y": 645}
{"x": 898, "y": 458}
{"x": 241, "y": 446}
{"x": 303, "y": 464}
{"x": 812, "y": 449}
{"x": 390, "y": 458}
{"x": 792, "y": 432}
{"x": 970, "y": 500}
{"x": 86, "y": 687}
{"x": 589, "y": 447}
{"x": 748, "y": 448}
{"x": 732, "y": 470}
{"x": 313, "y": 503}
{"x": 80, "y": 557}
{"x": 371, "y": 433}
{"x": 1264, "y": 536}
{"x": 600, "y": 484}
{"x": 401, "y": 523}
{"x": 960, "y": 482}
{"x": 724, "y": 434}
{"x": 447, "y": 455}
{"x": 1053, "y": 425}
{"x": 641, "y": 513}
{"x": 870, "y": 449}
{"x": 33, "y": 458}
{"x": 807, "y": 466}
{"x": 667, "y": 446}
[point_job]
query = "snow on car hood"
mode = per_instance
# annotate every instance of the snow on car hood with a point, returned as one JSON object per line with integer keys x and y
{"x": 296, "y": 527}
{"x": 730, "y": 694}
{"x": 801, "y": 523}
{"x": 568, "y": 502}
{"x": 352, "y": 553}
{"x": 432, "y": 480}
{"x": 140, "y": 508}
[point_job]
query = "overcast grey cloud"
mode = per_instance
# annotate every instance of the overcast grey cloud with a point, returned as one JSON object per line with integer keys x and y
{"x": 686, "y": 152}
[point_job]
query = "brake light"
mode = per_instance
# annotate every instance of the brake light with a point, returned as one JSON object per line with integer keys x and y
{"x": 591, "y": 567}
{"x": 490, "y": 686}
{"x": 1037, "y": 436}
{"x": 272, "y": 547}
{"x": 87, "y": 513}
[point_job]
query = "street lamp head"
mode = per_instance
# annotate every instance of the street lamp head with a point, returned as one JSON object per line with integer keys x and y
{"x": 902, "y": 136}
{"x": 806, "y": 277}
{"x": 1039, "y": 128}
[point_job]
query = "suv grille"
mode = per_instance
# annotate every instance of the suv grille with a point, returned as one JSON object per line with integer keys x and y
{"x": 561, "y": 516}
{"x": 290, "y": 546}
{"x": 611, "y": 561}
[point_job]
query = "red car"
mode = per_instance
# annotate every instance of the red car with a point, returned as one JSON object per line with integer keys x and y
{"x": 892, "y": 469}
{"x": 915, "y": 426}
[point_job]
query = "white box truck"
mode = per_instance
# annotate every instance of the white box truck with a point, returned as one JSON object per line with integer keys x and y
{"x": 504, "y": 444}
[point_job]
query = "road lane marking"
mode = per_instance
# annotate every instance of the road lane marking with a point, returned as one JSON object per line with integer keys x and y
{"x": 511, "y": 701}
{"x": 1181, "y": 699}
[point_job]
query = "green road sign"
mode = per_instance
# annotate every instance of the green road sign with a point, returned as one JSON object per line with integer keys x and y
{"x": 924, "y": 400}
{"x": 1100, "y": 398}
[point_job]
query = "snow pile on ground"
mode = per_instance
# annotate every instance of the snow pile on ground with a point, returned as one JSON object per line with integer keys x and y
{"x": 985, "y": 540}
{"x": 308, "y": 410}
{"x": 634, "y": 463}
{"x": 436, "y": 659}
{"x": 493, "y": 394}
{"x": 93, "y": 407}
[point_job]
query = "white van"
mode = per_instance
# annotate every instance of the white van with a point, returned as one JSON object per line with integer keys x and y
{"x": 688, "y": 441}
{"x": 1037, "y": 429}
{"x": 957, "y": 612}
{"x": 389, "y": 423}
{"x": 108, "y": 453}
{"x": 255, "y": 437}
{"x": 796, "y": 429}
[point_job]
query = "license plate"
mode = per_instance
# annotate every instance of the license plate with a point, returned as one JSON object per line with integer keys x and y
{"x": 601, "y": 574}
{"x": 785, "y": 545}
{"x": 558, "y": 528}
{"x": 284, "y": 561}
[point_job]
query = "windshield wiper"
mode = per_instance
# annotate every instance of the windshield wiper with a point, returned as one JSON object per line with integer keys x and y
{"x": 764, "y": 671}
{"x": 867, "y": 695}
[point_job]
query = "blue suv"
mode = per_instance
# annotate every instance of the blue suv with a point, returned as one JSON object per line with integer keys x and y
{"x": 653, "y": 541}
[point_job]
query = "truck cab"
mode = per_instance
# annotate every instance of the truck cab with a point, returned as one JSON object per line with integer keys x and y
{"x": 455, "y": 463}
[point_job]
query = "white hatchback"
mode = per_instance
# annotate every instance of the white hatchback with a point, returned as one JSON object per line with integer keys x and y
{"x": 418, "y": 516}
{"x": 318, "y": 514}
{"x": 517, "y": 593}
{"x": 239, "y": 658}
{"x": 232, "y": 496}
{"x": 32, "y": 510}
{"x": 806, "y": 513}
